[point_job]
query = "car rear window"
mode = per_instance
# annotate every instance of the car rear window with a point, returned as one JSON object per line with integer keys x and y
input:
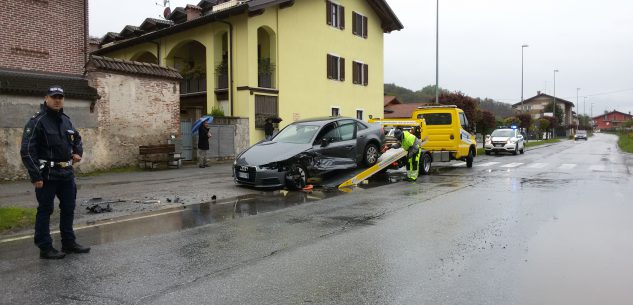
{"x": 436, "y": 118}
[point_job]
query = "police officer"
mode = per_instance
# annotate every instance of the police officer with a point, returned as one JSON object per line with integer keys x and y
{"x": 50, "y": 145}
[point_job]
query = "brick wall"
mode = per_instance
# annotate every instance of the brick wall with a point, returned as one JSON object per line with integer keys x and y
{"x": 43, "y": 35}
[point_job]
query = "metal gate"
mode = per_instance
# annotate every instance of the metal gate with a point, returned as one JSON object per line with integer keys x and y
{"x": 222, "y": 142}
{"x": 187, "y": 140}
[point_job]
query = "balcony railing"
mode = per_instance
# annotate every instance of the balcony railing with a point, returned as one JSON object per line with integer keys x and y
{"x": 193, "y": 85}
{"x": 222, "y": 81}
{"x": 265, "y": 80}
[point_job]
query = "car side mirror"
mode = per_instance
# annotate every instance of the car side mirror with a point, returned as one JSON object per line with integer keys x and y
{"x": 324, "y": 142}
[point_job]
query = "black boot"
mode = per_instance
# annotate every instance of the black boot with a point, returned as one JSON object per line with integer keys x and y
{"x": 75, "y": 248}
{"x": 51, "y": 253}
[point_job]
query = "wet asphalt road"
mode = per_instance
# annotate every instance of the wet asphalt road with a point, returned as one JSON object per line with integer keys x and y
{"x": 552, "y": 226}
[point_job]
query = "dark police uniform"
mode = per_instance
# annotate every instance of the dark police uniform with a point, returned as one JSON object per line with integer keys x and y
{"x": 48, "y": 142}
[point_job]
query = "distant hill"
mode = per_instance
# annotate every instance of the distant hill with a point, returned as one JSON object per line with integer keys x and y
{"x": 427, "y": 95}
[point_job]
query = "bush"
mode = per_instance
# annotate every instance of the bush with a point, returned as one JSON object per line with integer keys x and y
{"x": 217, "y": 112}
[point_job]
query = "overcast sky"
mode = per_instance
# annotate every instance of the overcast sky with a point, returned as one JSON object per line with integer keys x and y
{"x": 590, "y": 42}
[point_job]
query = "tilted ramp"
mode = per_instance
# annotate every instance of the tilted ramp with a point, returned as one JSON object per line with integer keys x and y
{"x": 388, "y": 157}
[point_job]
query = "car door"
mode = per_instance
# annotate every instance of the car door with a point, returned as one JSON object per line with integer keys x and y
{"x": 340, "y": 137}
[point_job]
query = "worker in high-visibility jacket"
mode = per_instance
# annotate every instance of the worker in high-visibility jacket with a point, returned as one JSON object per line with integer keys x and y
{"x": 413, "y": 146}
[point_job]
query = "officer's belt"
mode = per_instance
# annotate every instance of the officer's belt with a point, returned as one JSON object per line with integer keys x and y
{"x": 63, "y": 164}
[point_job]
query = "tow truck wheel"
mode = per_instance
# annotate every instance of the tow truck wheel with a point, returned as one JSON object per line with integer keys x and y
{"x": 470, "y": 158}
{"x": 297, "y": 177}
{"x": 425, "y": 164}
{"x": 370, "y": 155}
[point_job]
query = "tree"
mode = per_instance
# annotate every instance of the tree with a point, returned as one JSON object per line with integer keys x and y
{"x": 559, "y": 111}
{"x": 486, "y": 122}
{"x": 525, "y": 120}
{"x": 462, "y": 101}
{"x": 509, "y": 121}
{"x": 541, "y": 125}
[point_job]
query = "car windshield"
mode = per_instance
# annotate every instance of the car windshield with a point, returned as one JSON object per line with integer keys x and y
{"x": 582, "y": 132}
{"x": 503, "y": 133}
{"x": 297, "y": 134}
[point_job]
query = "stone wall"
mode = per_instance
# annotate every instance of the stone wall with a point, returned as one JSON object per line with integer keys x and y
{"x": 132, "y": 111}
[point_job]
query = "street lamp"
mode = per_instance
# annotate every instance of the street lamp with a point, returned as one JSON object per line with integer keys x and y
{"x": 522, "y": 47}
{"x": 437, "y": 51}
{"x": 577, "y": 110}
{"x": 554, "y": 111}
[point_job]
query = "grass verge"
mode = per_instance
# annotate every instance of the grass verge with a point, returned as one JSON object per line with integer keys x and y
{"x": 537, "y": 143}
{"x": 15, "y": 218}
{"x": 625, "y": 141}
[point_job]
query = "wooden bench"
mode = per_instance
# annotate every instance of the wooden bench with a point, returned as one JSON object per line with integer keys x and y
{"x": 162, "y": 153}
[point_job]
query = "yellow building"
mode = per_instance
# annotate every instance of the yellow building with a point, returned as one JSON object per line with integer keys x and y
{"x": 268, "y": 58}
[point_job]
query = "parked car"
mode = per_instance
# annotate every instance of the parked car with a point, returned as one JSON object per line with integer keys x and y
{"x": 504, "y": 140}
{"x": 580, "y": 135}
{"x": 309, "y": 149}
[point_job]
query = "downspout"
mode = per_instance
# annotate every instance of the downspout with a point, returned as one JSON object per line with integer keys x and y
{"x": 230, "y": 45}
{"x": 86, "y": 32}
{"x": 157, "y": 50}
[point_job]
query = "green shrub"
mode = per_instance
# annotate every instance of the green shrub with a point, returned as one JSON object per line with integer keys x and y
{"x": 217, "y": 112}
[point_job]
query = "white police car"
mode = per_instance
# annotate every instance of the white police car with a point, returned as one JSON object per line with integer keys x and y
{"x": 504, "y": 140}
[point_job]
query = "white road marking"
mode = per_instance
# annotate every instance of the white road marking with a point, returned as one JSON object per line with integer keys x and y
{"x": 598, "y": 168}
{"x": 487, "y": 164}
{"x": 537, "y": 165}
{"x": 512, "y": 164}
{"x": 567, "y": 166}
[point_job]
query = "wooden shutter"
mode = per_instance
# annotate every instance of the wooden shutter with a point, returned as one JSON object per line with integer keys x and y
{"x": 341, "y": 17}
{"x": 355, "y": 79}
{"x": 329, "y": 66}
{"x": 364, "y": 27}
{"x": 342, "y": 73}
{"x": 354, "y": 24}
{"x": 328, "y": 12}
{"x": 366, "y": 72}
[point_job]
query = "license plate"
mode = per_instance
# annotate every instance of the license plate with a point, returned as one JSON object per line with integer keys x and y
{"x": 498, "y": 145}
{"x": 242, "y": 175}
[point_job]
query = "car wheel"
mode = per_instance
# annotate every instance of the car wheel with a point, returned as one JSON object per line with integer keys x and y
{"x": 470, "y": 158}
{"x": 425, "y": 164}
{"x": 370, "y": 155}
{"x": 522, "y": 150}
{"x": 296, "y": 177}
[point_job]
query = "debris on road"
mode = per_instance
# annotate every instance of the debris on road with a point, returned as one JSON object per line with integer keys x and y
{"x": 98, "y": 208}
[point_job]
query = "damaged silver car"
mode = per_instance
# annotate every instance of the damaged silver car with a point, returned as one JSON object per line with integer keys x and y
{"x": 309, "y": 149}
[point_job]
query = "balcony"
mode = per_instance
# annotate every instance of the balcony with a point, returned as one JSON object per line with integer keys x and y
{"x": 193, "y": 85}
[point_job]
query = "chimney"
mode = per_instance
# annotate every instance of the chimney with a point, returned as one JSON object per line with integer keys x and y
{"x": 538, "y": 92}
{"x": 193, "y": 12}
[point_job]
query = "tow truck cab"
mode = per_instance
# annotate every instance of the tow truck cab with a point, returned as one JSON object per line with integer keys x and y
{"x": 449, "y": 133}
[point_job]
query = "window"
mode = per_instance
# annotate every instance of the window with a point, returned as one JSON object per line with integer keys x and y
{"x": 359, "y": 114}
{"x": 335, "y": 67}
{"x": 265, "y": 107}
{"x": 359, "y": 25}
{"x": 436, "y": 118}
{"x": 360, "y": 72}
{"x": 335, "y": 15}
{"x": 336, "y": 111}
{"x": 361, "y": 126}
{"x": 347, "y": 130}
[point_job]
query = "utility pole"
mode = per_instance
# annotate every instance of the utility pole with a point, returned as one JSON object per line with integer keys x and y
{"x": 522, "y": 47}
{"x": 584, "y": 105}
{"x": 554, "y": 110}
{"x": 437, "y": 51}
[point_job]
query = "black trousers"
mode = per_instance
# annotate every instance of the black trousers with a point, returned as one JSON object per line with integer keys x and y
{"x": 66, "y": 192}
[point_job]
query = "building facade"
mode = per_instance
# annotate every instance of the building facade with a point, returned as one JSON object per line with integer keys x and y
{"x": 268, "y": 58}
{"x": 611, "y": 120}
